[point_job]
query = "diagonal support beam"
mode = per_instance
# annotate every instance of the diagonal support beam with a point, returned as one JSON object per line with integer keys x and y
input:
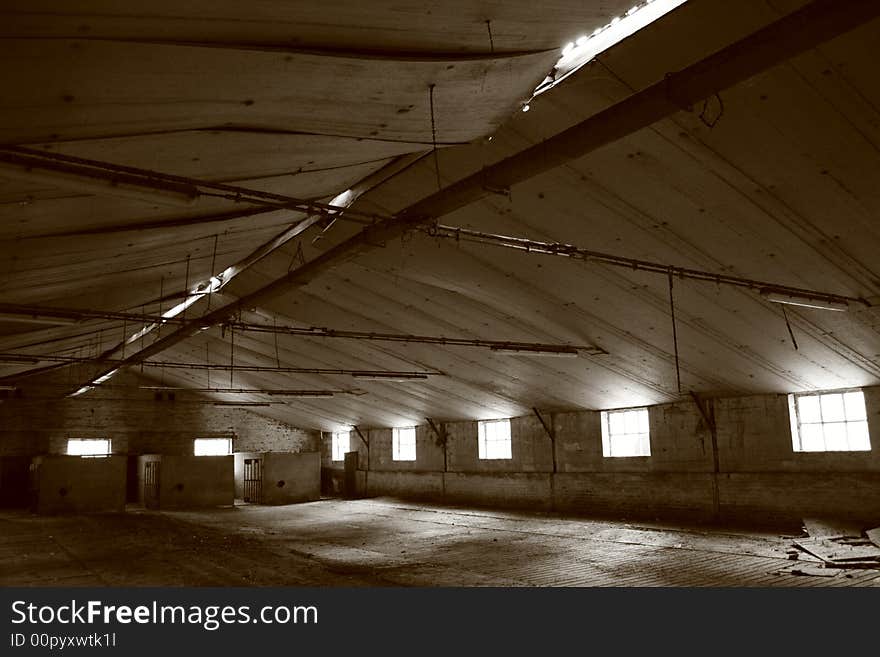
{"x": 552, "y": 435}
{"x": 544, "y": 424}
{"x": 708, "y": 413}
{"x": 800, "y": 31}
{"x": 441, "y": 441}
{"x": 441, "y": 436}
{"x": 710, "y": 422}
{"x": 361, "y": 436}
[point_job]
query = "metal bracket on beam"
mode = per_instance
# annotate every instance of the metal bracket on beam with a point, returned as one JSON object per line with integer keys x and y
{"x": 674, "y": 96}
{"x": 441, "y": 436}
{"x": 544, "y": 424}
{"x": 361, "y": 436}
{"x": 500, "y": 191}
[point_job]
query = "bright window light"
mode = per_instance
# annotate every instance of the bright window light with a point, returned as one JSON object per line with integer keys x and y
{"x": 494, "y": 439}
{"x": 626, "y": 433}
{"x": 340, "y": 445}
{"x": 829, "y": 422}
{"x": 212, "y": 446}
{"x": 403, "y": 444}
{"x": 88, "y": 447}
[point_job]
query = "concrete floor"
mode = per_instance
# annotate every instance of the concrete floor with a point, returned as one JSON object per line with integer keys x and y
{"x": 385, "y": 542}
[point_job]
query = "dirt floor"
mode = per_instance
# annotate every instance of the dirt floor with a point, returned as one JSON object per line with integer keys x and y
{"x": 385, "y": 542}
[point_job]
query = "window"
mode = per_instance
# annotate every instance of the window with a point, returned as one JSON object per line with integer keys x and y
{"x": 88, "y": 447}
{"x": 829, "y": 422}
{"x": 212, "y": 446}
{"x": 340, "y": 445}
{"x": 403, "y": 444}
{"x": 626, "y": 433}
{"x": 494, "y": 439}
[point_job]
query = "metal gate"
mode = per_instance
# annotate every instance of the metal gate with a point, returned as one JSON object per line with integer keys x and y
{"x": 253, "y": 481}
{"x": 34, "y": 485}
{"x": 151, "y": 484}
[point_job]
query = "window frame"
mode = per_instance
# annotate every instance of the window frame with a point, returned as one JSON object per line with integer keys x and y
{"x": 608, "y": 436}
{"x": 397, "y": 454}
{"x": 92, "y": 455}
{"x": 794, "y": 413}
{"x": 483, "y": 441}
{"x": 333, "y": 446}
{"x": 212, "y": 439}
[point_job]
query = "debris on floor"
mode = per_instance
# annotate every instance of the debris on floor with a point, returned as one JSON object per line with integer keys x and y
{"x": 838, "y": 544}
{"x": 812, "y": 571}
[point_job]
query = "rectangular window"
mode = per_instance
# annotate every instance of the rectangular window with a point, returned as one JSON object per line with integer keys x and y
{"x": 340, "y": 445}
{"x": 494, "y": 439}
{"x": 212, "y": 446}
{"x": 829, "y": 422}
{"x": 88, "y": 447}
{"x": 403, "y": 444}
{"x": 626, "y": 433}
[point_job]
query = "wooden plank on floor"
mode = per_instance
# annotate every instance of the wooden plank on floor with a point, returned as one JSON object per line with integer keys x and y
{"x": 830, "y": 528}
{"x": 830, "y": 551}
{"x": 811, "y": 571}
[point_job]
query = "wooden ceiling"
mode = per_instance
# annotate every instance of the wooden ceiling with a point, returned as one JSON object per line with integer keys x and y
{"x": 775, "y": 179}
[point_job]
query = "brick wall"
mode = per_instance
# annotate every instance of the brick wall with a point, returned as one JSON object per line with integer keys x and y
{"x": 759, "y": 475}
{"x": 138, "y": 423}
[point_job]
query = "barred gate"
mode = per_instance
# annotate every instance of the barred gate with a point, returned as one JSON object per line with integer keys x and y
{"x": 151, "y": 484}
{"x": 253, "y": 481}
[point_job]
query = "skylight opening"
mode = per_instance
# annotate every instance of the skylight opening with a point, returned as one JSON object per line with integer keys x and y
{"x": 586, "y": 47}
{"x": 93, "y": 384}
{"x": 103, "y": 378}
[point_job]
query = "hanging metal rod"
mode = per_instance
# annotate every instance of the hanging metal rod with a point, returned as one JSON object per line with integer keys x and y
{"x": 202, "y": 402}
{"x": 276, "y": 392}
{"x": 45, "y": 313}
{"x": 295, "y": 370}
{"x": 95, "y": 169}
{"x": 577, "y": 253}
{"x": 389, "y": 374}
{"x": 323, "y": 332}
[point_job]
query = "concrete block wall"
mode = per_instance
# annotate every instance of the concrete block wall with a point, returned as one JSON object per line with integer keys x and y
{"x": 192, "y": 482}
{"x": 680, "y": 494}
{"x": 287, "y": 478}
{"x": 503, "y": 489}
{"x": 70, "y": 484}
{"x": 411, "y": 485}
{"x": 759, "y": 476}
